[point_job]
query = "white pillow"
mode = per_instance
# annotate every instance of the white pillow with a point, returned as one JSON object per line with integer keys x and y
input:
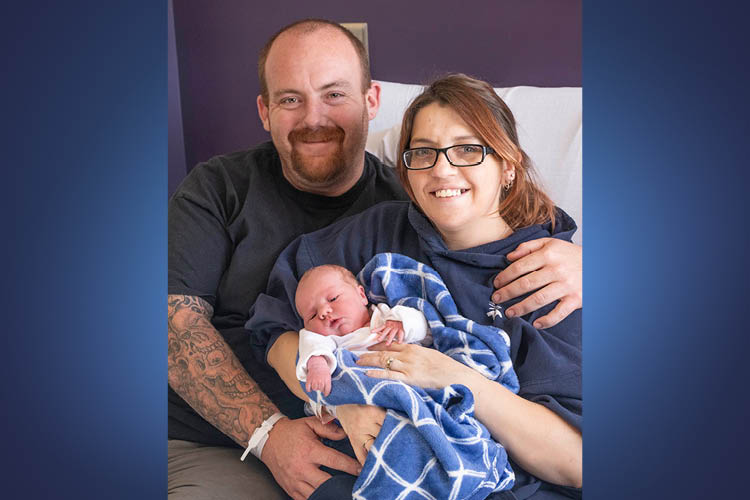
{"x": 549, "y": 130}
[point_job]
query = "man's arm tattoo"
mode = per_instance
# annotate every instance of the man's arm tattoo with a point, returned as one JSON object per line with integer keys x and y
{"x": 204, "y": 371}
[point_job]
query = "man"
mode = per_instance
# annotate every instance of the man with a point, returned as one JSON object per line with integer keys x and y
{"x": 228, "y": 222}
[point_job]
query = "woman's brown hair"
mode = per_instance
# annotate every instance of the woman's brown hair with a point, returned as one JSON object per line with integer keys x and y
{"x": 487, "y": 114}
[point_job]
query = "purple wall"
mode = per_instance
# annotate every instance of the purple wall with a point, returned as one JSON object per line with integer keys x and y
{"x": 507, "y": 42}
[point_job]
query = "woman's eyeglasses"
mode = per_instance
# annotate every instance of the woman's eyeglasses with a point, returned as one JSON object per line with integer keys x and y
{"x": 460, "y": 155}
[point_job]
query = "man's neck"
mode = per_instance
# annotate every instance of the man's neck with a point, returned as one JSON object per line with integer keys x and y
{"x": 336, "y": 188}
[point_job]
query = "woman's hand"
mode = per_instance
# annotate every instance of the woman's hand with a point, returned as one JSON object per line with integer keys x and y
{"x": 413, "y": 364}
{"x": 362, "y": 424}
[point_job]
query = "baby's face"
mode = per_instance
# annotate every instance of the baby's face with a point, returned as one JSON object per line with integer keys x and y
{"x": 331, "y": 305}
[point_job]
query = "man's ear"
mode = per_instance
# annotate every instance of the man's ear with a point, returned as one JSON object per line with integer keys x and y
{"x": 372, "y": 100}
{"x": 263, "y": 113}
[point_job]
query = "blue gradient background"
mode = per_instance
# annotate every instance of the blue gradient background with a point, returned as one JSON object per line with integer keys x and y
{"x": 84, "y": 142}
{"x": 665, "y": 274}
{"x": 85, "y": 156}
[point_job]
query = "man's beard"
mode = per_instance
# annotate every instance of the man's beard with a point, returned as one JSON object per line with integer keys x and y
{"x": 321, "y": 170}
{"x": 333, "y": 167}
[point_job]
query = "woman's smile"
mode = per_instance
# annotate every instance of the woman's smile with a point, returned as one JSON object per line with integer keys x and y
{"x": 448, "y": 193}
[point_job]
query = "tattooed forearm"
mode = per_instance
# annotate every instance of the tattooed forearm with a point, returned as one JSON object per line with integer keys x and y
{"x": 204, "y": 371}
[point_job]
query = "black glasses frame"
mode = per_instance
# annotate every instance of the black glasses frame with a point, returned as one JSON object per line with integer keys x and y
{"x": 486, "y": 150}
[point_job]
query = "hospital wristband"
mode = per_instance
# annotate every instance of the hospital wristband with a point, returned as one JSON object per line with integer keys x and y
{"x": 260, "y": 436}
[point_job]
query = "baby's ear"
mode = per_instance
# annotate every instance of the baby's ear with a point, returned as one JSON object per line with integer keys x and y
{"x": 362, "y": 294}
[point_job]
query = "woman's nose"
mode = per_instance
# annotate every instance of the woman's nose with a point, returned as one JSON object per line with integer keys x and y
{"x": 442, "y": 167}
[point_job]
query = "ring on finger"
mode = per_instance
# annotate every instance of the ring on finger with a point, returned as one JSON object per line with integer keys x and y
{"x": 388, "y": 363}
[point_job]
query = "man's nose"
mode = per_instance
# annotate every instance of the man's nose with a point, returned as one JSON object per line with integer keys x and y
{"x": 314, "y": 113}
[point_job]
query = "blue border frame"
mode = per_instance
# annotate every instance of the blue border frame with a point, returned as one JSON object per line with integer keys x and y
{"x": 84, "y": 142}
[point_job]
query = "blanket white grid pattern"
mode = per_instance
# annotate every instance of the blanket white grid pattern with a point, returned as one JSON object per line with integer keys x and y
{"x": 430, "y": 445}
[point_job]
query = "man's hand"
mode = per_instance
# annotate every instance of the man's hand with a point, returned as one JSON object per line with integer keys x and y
{"x": 550, "y": 266}
{"x": 293, "y": 453}
{"x": 362, "y": 424}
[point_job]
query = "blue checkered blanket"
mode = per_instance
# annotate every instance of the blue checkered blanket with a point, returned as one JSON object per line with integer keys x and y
{"x": 430, "y": 444}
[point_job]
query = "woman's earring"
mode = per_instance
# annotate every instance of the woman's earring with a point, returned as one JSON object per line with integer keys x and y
{"x": 509, "y": 184}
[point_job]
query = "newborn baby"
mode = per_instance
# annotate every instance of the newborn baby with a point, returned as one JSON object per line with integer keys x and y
{"x": 334, "y": 309}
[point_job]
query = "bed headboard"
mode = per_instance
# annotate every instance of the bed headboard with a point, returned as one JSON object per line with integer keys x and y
{"x": 549, "y": 129}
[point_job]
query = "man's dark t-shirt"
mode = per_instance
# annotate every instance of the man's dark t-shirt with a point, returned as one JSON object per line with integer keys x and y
{"x": 228, "y": 221}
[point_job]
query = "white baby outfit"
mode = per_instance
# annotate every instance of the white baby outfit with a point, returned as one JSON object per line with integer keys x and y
{"x": 315, "y": 344}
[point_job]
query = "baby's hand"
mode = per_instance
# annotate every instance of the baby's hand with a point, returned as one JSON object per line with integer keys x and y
{"x": 318, "y": 375}
{"x": 390, "y": 330}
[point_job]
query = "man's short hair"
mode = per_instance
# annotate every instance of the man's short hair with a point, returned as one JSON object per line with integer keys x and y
{"x": 306, "y": 26}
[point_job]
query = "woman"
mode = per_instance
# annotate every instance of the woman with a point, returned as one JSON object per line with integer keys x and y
{"x": 473, "y": 200}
